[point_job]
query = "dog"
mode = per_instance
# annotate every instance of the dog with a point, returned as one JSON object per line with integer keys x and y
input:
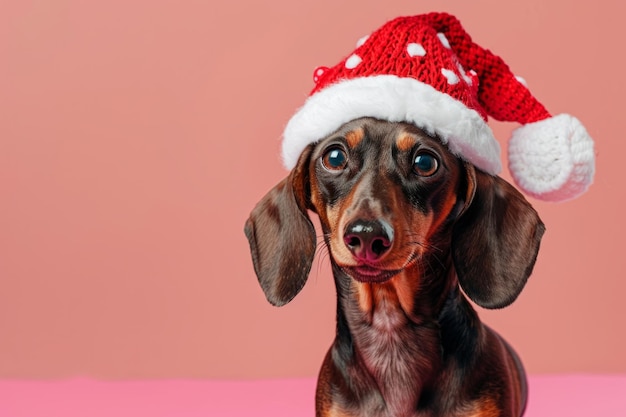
{"x": 407, "y": 225}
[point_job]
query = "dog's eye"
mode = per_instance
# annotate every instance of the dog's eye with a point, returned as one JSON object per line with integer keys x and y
{"x": 335, "y": 159}
{"x": 425, "y": 164}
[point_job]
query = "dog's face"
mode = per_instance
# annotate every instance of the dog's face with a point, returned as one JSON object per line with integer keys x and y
{"x": 384, "y": 193}
{"x": 388, "y": 195}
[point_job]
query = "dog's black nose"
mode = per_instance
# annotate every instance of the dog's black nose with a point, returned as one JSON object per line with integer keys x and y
{"x": 368, "y": 240}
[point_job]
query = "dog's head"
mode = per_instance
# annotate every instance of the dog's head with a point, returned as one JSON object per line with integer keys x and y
{"x": 387, "y": 194}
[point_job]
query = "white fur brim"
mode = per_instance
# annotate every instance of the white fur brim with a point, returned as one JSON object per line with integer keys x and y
{"x": 395, "y": 99}
{"x": 552, "y": 159}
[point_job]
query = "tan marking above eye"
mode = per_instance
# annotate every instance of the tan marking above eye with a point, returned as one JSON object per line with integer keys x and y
{"x": 354, "y": 137}
{"x": 405, "y": 142}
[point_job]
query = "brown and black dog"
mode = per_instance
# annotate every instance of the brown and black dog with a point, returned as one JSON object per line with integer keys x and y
{"x": 406, "y": 223}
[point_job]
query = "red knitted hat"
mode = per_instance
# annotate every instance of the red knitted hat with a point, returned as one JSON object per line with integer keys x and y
{"x": 427, "y": 71}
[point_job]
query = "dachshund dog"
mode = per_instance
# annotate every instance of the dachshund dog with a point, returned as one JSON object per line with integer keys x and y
{"x": 407, "y": 224}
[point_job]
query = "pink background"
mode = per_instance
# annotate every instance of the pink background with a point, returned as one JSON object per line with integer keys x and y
{"x": 136, "y": 136}
{"x": 571, "y": 396}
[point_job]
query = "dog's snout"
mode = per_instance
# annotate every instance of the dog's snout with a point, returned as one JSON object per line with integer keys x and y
{"x": 368, "y": 240}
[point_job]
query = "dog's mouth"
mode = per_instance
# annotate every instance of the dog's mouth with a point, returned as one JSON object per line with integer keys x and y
{"x": 369, "y": 274}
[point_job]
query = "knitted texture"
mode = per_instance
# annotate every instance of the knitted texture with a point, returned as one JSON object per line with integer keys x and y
{"x": 552, "y": 159}
{"x": 426, "y": 70}
{"x": 435, "y": 49}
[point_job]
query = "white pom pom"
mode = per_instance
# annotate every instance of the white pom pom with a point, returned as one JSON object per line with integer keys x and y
{"x": 552, "y": 159}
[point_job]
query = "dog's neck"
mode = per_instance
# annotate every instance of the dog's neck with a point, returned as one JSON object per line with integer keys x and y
{"x": 416, "y": 296}
{"x": 400, "y": 333}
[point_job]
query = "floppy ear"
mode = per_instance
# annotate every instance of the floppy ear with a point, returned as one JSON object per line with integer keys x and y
{"x": 495, "y": 241}
{"x": 282, "y": 237}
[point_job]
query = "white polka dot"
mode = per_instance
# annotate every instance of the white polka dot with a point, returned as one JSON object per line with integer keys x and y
{"x": 362, "y": 41}
{"x": 318, "y": 73}
{"x": 521, "y": 81}
{"x": 415, "y": 49}
{"x": 443, "y": 40}
{"x": 467, "y": 78}
{"x": 353, "y": 61}
{"x": 450, "y": 76}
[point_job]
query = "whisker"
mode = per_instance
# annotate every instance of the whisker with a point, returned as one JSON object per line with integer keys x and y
{"x": 323, "y": 253}
{"x": 433, "y": 250}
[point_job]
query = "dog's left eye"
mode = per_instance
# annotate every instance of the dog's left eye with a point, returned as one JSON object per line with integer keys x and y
{"x": 425, "y": 164}
{"x": 335, "y": 159}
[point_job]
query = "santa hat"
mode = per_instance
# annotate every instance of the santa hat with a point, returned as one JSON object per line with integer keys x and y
{"x": 427, "y": 71}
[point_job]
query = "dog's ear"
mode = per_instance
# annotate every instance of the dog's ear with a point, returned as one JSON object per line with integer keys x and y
{"x": 495, "y": 240}
{"x": 282, "y": 237}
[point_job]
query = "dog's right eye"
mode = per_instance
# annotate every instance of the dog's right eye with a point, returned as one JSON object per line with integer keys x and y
{"x": 335, "y": 159}
{"x": 425, "y": 164}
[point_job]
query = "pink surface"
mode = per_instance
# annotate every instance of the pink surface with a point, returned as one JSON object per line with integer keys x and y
{"x": 572, "y": 396}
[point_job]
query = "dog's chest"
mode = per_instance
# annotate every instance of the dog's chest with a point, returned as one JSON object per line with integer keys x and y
{"x": 394, "y": 352}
